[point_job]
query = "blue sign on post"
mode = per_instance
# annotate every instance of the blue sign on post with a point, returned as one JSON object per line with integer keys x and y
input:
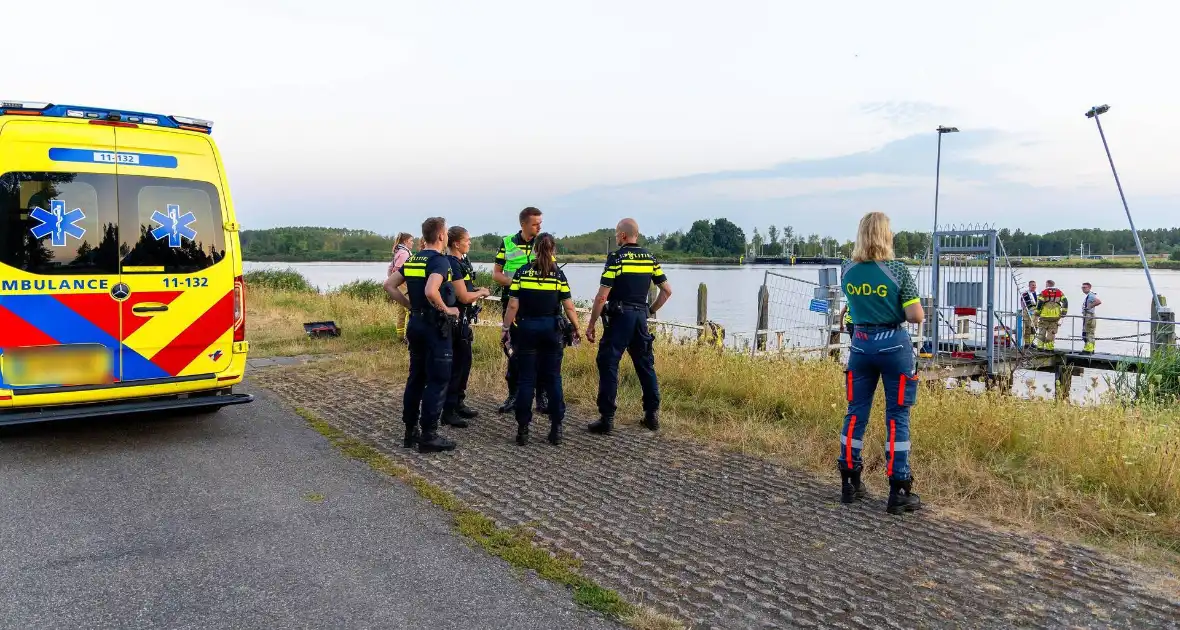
{"x": 819, "y": 306}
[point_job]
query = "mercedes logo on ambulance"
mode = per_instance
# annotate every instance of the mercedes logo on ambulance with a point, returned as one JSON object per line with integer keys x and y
{"x": 120, "y": 291}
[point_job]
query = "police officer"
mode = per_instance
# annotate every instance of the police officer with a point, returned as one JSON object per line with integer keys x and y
{"x": 431, "y": 302}
{"x": 536, "y": 295}
{"x": 456, "y": 413}
{"x": 515, "y": 252}
{"x": 622, "y": 304}
{"x": 881, "y": 295}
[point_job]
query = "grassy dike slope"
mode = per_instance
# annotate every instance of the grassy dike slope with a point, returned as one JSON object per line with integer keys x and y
{"x": 1105, "y": 474}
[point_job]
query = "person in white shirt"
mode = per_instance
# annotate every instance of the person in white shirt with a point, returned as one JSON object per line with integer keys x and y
{"x": 1089, "y": 319}
{"x": 1029, "y": 299}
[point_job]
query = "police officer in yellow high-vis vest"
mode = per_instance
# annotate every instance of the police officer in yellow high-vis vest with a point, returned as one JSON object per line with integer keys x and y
{"x": 515, "y": 252}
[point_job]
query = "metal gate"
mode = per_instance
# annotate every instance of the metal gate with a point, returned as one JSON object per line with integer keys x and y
{"x": 795, "y": 315}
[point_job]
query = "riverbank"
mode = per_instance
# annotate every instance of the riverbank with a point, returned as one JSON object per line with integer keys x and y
{"x": 1104, "y": 473}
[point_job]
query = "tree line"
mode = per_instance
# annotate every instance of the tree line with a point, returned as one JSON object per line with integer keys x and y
{"x": 719, "y": 238}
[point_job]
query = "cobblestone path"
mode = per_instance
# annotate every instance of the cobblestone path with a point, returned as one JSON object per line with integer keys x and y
{"x": 724, "y": 540}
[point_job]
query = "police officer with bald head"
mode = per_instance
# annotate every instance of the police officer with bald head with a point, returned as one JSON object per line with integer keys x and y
{"x": 621, "y": 303}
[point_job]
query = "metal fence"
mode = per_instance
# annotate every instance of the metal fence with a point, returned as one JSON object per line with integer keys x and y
{"x": 794, "y": 315}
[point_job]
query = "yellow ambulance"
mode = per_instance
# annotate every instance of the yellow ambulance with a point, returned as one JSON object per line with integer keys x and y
{"x": 120, "y": 268}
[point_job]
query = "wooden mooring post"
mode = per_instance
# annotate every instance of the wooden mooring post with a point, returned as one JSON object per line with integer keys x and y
{"x": 763, "y": 318}
{"x": 702, "y": 310}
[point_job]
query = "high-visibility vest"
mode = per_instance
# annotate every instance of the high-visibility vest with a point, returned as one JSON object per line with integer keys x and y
{"x": 514, "y": 257}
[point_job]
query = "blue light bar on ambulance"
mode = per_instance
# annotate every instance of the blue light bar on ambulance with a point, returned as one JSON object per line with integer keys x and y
{"x": 123, "y": 118}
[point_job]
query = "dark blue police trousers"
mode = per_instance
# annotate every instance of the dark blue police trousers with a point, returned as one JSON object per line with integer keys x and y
{"x": 626, "y": 331}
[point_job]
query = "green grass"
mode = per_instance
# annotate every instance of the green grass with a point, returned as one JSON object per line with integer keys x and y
{"x": 279, "y": 280}
{"x": 363, "y": 290}
{"x": 514, "y": 545}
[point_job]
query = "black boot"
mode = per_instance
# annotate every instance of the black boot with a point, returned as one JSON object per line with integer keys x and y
{"x": 651, "y": 420}
{"x": 555, "y": 434}
{"x": 522, "y": 434}
{"x": 434, "y": 443}
{"x": 412, "y": 436}
{"x": 603, "y": 427}
{"x": 450, "y": 419}
{"x": 509, "y": 403}
{"x": 542, "y": 402}
{"x": 466, "y": 412}
{"x": 900, "y": 498}
{"x": 851, "y": 488}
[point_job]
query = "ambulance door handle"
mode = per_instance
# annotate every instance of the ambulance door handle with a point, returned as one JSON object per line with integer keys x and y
{"x": 149, "y": 308}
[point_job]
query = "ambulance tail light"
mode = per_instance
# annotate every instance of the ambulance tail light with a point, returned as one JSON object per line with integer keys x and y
{"x": 239, "y": 309}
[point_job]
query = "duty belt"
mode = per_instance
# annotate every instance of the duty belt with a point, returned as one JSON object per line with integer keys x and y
{"x": 627, "y": 306}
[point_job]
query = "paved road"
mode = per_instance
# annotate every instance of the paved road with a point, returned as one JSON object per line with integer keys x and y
{"x": 217, "y": 522}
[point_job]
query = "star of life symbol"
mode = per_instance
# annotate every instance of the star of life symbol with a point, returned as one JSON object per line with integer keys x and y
{"x": 58, "y": 224}
{"x": 174, "y": 226}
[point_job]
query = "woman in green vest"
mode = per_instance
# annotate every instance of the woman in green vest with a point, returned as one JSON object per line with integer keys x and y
{"x": 881, "y": 295}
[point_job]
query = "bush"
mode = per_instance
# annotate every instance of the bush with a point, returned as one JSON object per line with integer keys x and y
{"x": 280, "y": 280}
{"x": 1175, "y": 257}
{"x": 364, "y": 290}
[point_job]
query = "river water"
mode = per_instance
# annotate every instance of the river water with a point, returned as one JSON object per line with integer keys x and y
{"x": 733, "y": 290}
{"x": 733, "y": 298}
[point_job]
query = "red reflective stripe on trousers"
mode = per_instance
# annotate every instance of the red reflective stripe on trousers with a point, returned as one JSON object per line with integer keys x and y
{"x": 849, "y": 385}
{"x": 901, "y": 390}
{"x": 848, "y": 442}
{"x": 892, "y": 450}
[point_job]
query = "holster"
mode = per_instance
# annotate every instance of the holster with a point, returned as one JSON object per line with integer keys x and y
{"x": 567, "y": 331}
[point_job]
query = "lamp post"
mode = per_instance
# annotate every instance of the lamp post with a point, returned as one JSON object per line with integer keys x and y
{"x": 938, "y": 169}
{"x": 1094, "y": 113}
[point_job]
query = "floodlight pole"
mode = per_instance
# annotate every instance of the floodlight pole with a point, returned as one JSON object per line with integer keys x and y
{"x": 1094, "y": 113}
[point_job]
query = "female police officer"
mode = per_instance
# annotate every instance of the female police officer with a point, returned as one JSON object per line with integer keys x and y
{"x": 456, "y": 413}
{"x": 881, "y": 295}
{"x": 537, "y": 293}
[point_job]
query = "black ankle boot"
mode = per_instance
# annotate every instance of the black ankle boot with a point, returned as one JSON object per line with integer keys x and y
{"x": 900, "y": 498}
{"x": 851, "y": 488}
{"x": 466, "y": 412}
{"x": 434, "y": 443}
{"x": 509, "y": 403}
{"x": 542, "y": 402}
{"x": 603, "y": 427}
{"x": 651, "y": 420}
{"x": 522, "y": 435}
{"x": 412, "y": 436}
{"x": 555, "y": 434}
{"x": 450, "y": 419}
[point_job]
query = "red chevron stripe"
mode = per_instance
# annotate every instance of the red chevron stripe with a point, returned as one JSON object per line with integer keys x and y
{"x": 16, "y": 332}
{"x": 189, "y": 344}
{"x": 133, "y": 321}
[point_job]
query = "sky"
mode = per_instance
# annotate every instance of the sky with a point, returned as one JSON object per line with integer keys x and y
{"x": 376, "y": 114}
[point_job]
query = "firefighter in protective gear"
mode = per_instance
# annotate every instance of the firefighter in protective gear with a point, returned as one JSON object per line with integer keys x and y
{"x": 1089, "y": 318}
{"x": 1052, "y": 305}
{"x": 515, "y": 252}
{"x": 881, "y": 295}
{"x": 1029, "y": 313}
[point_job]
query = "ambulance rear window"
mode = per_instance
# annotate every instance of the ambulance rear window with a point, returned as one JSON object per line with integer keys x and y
{"x": 59, "y": 223}
{"x": 170, "y": 225}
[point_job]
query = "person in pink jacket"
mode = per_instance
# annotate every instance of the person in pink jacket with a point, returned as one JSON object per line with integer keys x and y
{"x": 401, "y": 252}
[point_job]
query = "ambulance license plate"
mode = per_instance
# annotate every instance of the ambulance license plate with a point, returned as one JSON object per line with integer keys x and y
{"x": 72, "y": 364}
